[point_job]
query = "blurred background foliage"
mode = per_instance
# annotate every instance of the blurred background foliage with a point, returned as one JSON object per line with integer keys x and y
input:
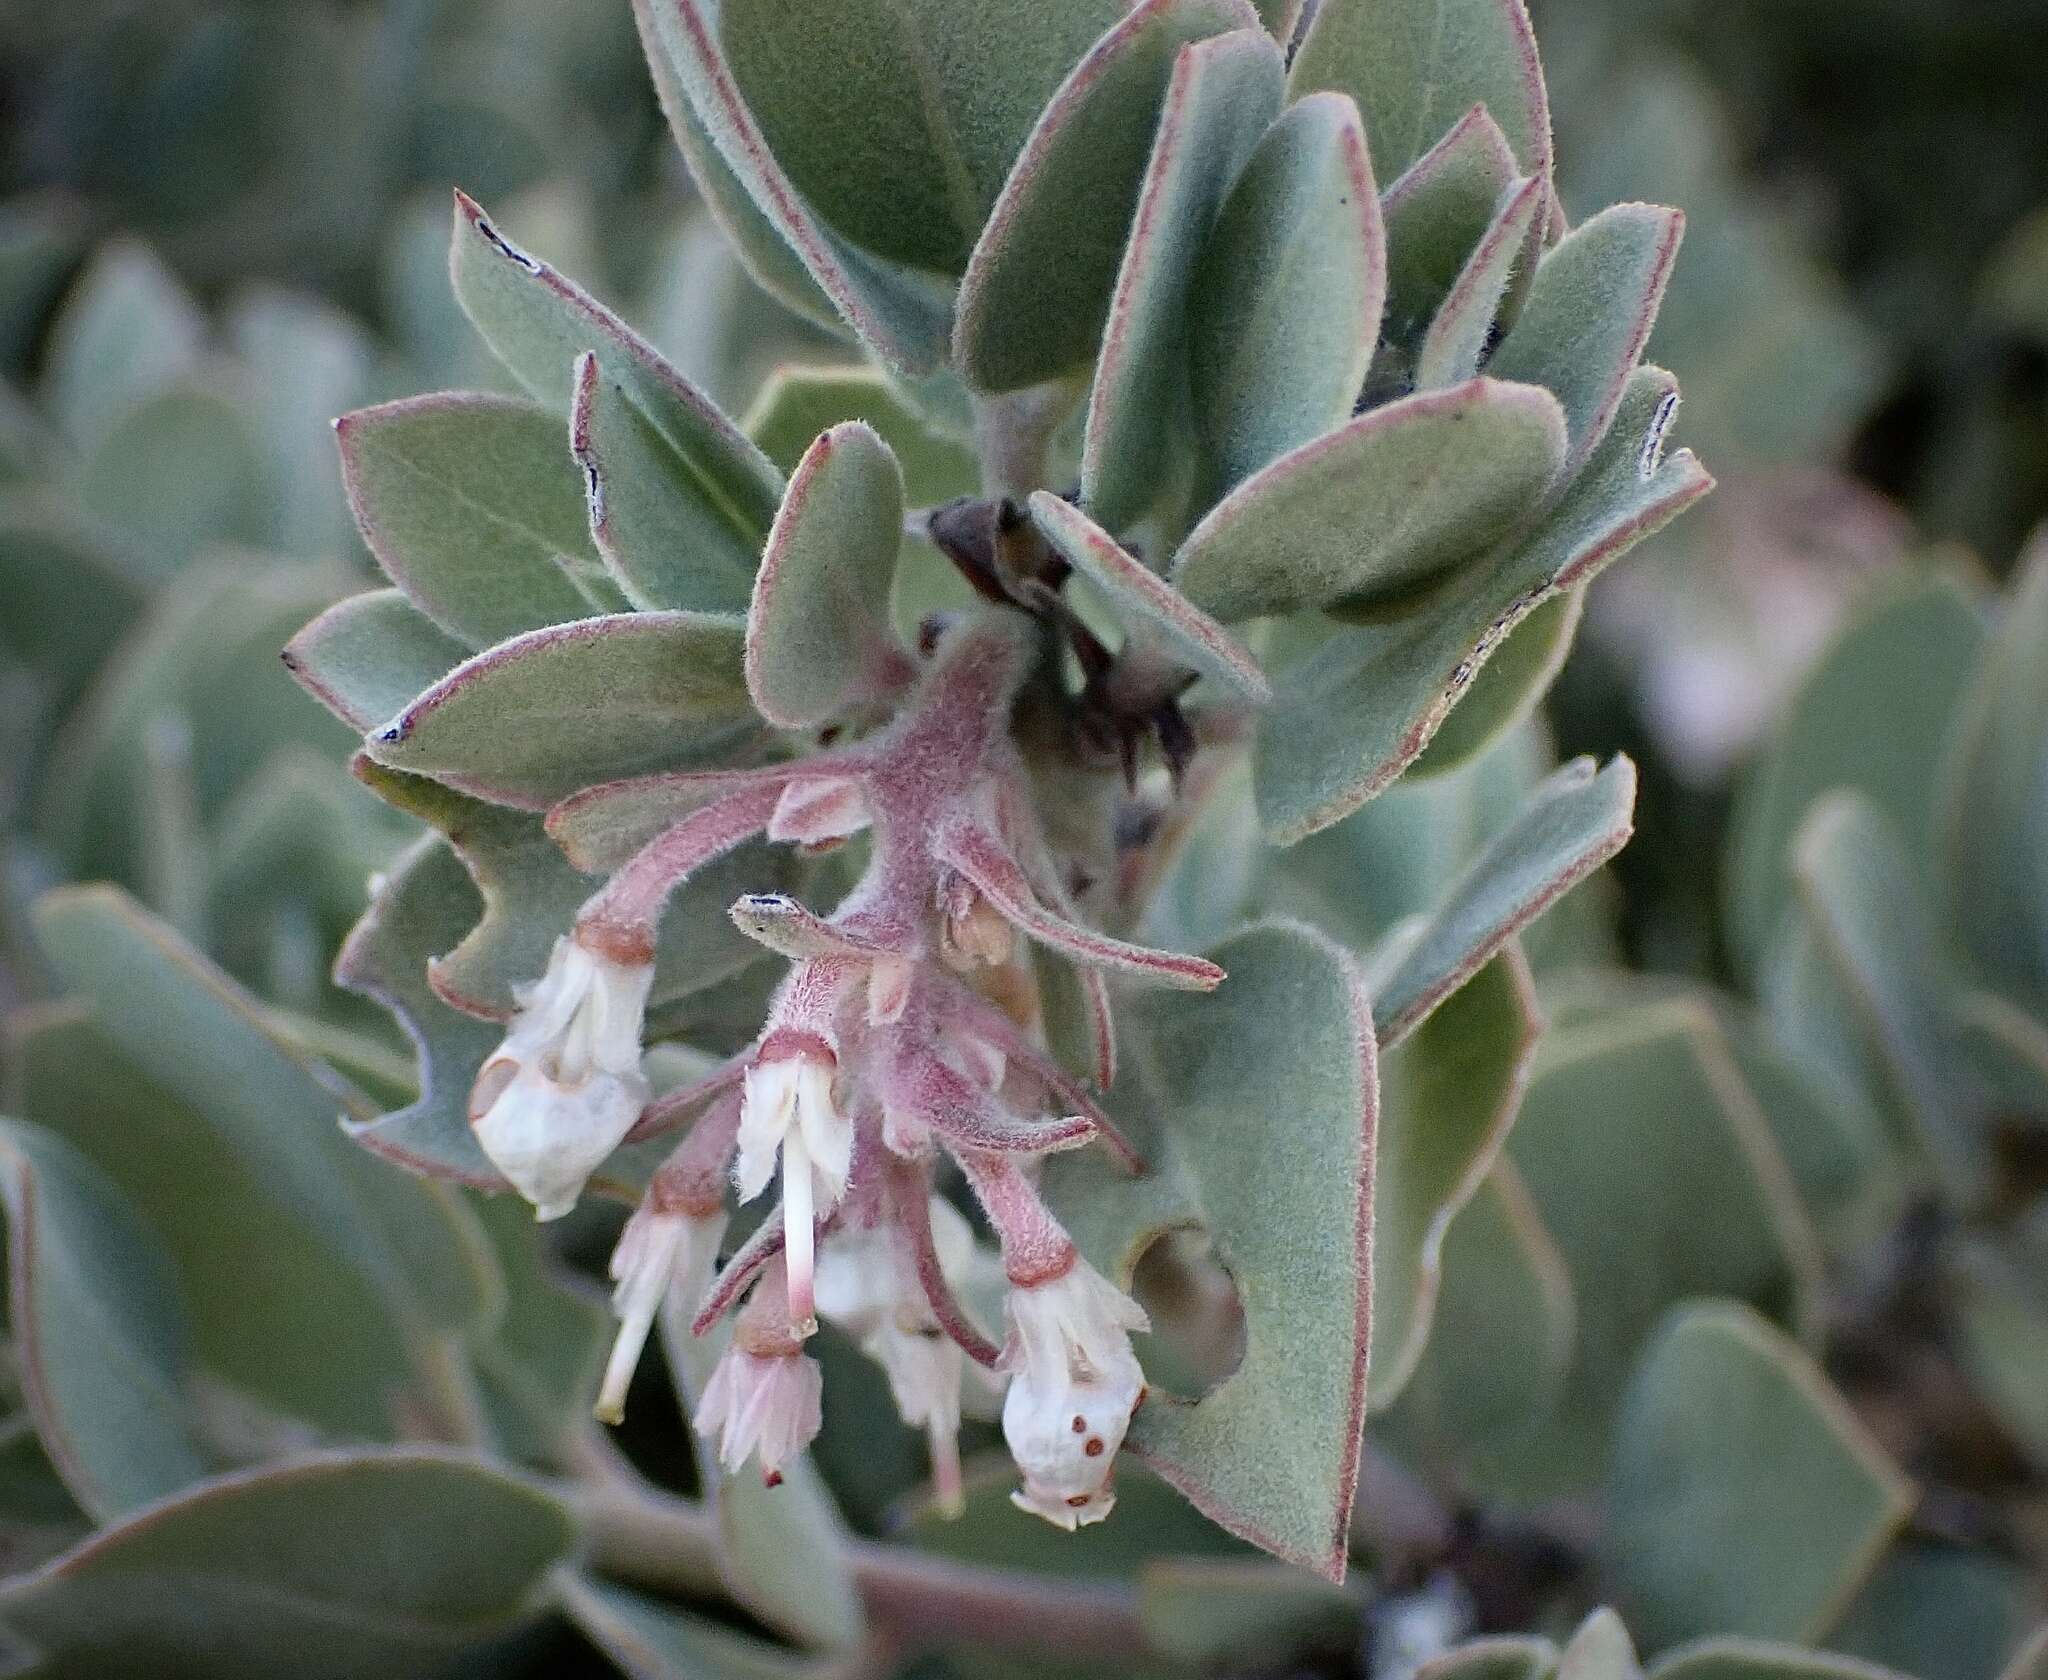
{"x": 222, "y": 224}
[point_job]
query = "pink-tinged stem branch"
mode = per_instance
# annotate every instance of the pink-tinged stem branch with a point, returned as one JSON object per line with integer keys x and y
{"x": 1036, "y": 1247}
{"x": 657, "y": 1540}
{"x": 982, "y": 857}
{"x": 631, "y": 902}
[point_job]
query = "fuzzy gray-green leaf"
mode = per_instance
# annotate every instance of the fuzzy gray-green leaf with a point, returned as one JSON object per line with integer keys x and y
{"x": 1437, "y": 212}
{"x": 367, "y": 655}
{"x": 1038, "y": 285}
{"x": 1352, "y": 714}
{"x": 818, "y": 640}
{"x": 1416, "y": 66}
{"x": 899, "y": 313}
{"x": 1589, "y": 314}
{"x": 1146, "y": 603}
{"x": 798, "y": 403}
{"x": 1390, "y": 500}
{"x": 1572, "y": 824}
{"x": 473, "y": 507}
{"x": 1284, "y": 306}
{"x": 714, "y": 483}
{"x": 1224, "y": 93}
{"x": 538, "y": 717}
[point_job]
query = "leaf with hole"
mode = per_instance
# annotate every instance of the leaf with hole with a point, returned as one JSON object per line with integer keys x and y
{"x": 1271, "y": 1452}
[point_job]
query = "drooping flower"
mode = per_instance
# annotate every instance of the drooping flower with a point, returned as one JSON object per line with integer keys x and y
{"x": 765, "y": 1398}
{"x": 565, "y": 1086}
{"x": 868, "y": 1285}
{"x": 787, "y": 1112}
{"x": 766, "y": 1405}
{"x": 659, "y": 1250}
{"x": 1074, "y": 1385}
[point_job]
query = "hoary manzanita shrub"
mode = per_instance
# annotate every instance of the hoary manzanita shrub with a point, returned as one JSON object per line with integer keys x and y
{"x": 1255, "y": 404}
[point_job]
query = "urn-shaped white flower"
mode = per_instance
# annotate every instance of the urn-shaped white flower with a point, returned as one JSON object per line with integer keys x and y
{"x": 1074, "y": 1384}
{"x": 565, "y": 1086}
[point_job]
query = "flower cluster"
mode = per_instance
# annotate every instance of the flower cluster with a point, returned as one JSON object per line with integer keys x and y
{"x": 905, "y": 1034}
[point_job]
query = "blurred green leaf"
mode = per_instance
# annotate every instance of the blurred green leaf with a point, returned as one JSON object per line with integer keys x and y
{"x": 1744, "y": 1496}
{"x": 195, "y": 1033}
{"x": 1448, "y": 1094}
{"x": 647, "y": 1640}
{"x": 98, "y": 1329}
{"x": 275, "y": 1307}
{"x": 1732, "y": 1657}
{"x": 177, "y": 471}
{"x": 1216, "y": 1611}
{"x": 126, "y": 329}
{"x": 1500, "y": 1339}
{"x": 1994, "y": 823}
{"x": 1876, "y": 928}
{"x": 1499, "y": 1657}
{"x": 342, "y": 1566}
{"x": 1939, "y": 1612}
{"x": 1907, "y": 652}
{"x": 202, "y": 673}
{"x": 1651, "y": 1168}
